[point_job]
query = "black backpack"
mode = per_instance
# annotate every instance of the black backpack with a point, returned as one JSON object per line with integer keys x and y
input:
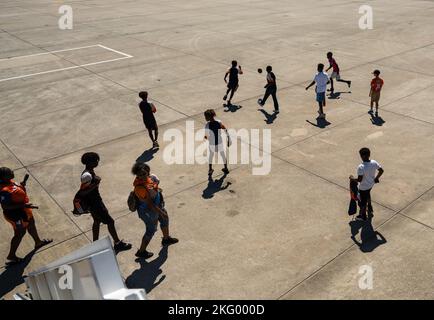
{"x": 132, "y": 201}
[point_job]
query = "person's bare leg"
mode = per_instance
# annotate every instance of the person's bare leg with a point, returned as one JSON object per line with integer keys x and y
{"x": 15, "y": 243}
{"x": 165, "y": 231}
{"x": 346, "y": 81}
{"x": 31, "y": 229}
{"x": 320, "y": 108}
{"x": 151, "y": 135}
{"x": 332, "y": 89}
{"x": 112, "y": 230}
{"x": 95, "y": 230}
{"x": 144, "y": 244}
{"x": 232, "y": 95}
{"x": 156, "y": 133}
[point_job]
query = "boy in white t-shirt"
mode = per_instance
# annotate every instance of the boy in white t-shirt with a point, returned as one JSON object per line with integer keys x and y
{"x": 367, "y": 177}
{"x": 321, "y": 79}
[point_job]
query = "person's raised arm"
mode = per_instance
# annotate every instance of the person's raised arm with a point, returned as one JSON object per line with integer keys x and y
{"x": 240, "y": 70}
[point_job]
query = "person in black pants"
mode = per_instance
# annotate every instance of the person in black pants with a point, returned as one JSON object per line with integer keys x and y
{"x": 90, "y": 195}
{"x": 233, "y": 73}
{"x": 271, "y": 89}
{"x": 148, "y": 109}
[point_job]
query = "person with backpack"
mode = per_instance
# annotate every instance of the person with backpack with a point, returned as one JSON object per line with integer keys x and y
{"x": 17, "y": 210}
{"x": 213, "y": 130}
{"x": 90, "y": 196}
{"x": 148, "y": 109}
{"x": 150, "y": 208}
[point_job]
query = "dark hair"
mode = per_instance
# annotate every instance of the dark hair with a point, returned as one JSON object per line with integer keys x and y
{"x": 139, "y": 167}
{"x": 6, "y": 174}
{"x": 365, "y": 152}
{"x": 143, "y": 95}
{"x": 329, "y": 54}
{"x": 269, "y": 68}
{"x": 376, "y": 72}
{"x": 234, "y": 63}
{"x": 89, "y": 157}
{"x": 320, "y": 67}
{"x": 209, "y": 114}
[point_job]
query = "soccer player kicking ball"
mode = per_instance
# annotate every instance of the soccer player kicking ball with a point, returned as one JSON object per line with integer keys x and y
{"x": 335, "y": 74}
{"x": 321, "y": 79}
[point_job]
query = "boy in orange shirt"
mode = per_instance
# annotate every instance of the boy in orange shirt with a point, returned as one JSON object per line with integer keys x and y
{"x": 376, "y": 85}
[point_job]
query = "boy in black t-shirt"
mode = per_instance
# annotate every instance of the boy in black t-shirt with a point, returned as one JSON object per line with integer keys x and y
{"x": 270, "y": 89}
{"x": 233, "y": 73}
{"x": 148, "y": 109}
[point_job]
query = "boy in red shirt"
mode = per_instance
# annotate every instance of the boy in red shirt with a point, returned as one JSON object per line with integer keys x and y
{"x": 336, "y": 72}
{"x": 17, "y": 210}
{"x": 376, "y": 85}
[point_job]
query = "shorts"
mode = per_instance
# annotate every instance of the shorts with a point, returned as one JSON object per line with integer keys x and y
{"x": 233, "y": 85}
{"x": 375, "y": 96}
{"x": 320, "y": 96}
{"x": 99, "y": 212}
{"x": 20, "y": 223}
{"x": 151, "y": 218}
{"x": 335, "y": 75}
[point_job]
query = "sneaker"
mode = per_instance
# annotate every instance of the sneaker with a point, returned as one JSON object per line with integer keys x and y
{"x": 376, "y": 114}
{"x": 122, "y": 246}
{"x": 210, "y": 171}
{"x": 276, "y": 111}
{"x": 360, "y": 218}
{"x": 225, "y": 170}
{"x": 260, "y": 102}
{"x": 156, "y": 145}
{"x": 144, "y": 254}
{"x": 225, "y": 97}
{"x": 168, "y": 241}
{"x": 371, "y": 111}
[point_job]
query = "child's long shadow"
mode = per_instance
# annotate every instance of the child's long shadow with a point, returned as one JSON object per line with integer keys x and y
{"x": 12, "y": 276}
{"x": 214, "y": 186}
{"x": 370, "y": 239}
{"x": 269, "y": 118}
{"x": 231, "y": 107}
{"x": 377, "y": 120}
{"x": 320, "y": 123}
{"x": 145, "y": 277}
{"x": 147, "y": 155}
